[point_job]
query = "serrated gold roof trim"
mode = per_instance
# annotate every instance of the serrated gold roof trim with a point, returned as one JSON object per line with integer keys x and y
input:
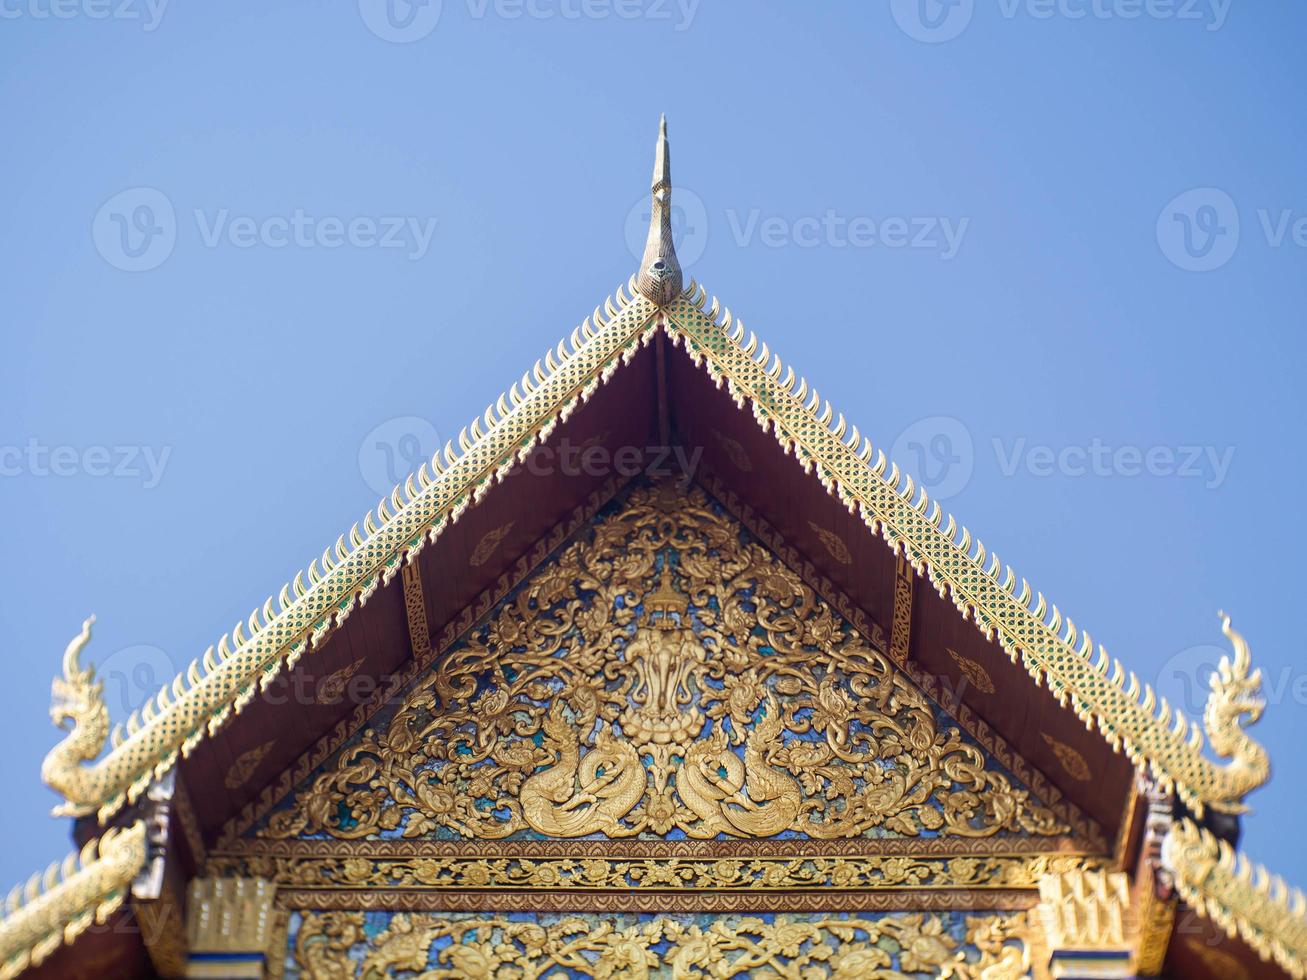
{"x": 201, "y": 698}
{"x": 1129, "y": 714}
{"x": 58, "y": 906}
{"x": 1241, "y": 897}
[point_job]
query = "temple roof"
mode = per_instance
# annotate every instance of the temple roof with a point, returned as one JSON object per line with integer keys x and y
{"x": 1052, "y": 649}
{"x": 651, "y": 310}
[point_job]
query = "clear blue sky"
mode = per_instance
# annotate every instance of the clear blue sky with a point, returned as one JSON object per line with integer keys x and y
{"x": 977, "y": 247}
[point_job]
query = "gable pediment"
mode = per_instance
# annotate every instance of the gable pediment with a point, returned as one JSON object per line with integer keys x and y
{"x": 664, "y": 677}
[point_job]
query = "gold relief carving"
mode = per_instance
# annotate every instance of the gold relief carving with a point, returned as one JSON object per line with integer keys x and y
{"x": 246, "y": 765}
{"x": 331, "y": 689}
{"x": 189, "y": 823}
{"x": 666, "y": 673}
{"x": 489, "y": 542}
{"x": 1085, "y": 912}
{"x": 734, "y": 452}
{"x": 901, "y": 627}
{"x": 1154, "y": 886}
{"x": 333, "y": 740}
{"x": 832, "y": 543}
{"x": 1221, "y": 963}
{"x": 749, "y": 902}
{"x": 898, "y": 647}
{"x": 415, "y": 609}
{"x": 335, "y": 945}
{"x": 974, "y": 672}
{"x": 163, "y": 930}
{"x": 278, "y": 943}
{"x": 605, "y": 873}
{"x": 1072, "y": 761}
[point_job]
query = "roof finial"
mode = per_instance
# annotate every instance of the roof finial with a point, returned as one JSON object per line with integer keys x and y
{"x": 660, "y": 274}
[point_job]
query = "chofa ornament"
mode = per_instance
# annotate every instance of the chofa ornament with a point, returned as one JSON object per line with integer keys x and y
{"x": 664, "y": 674}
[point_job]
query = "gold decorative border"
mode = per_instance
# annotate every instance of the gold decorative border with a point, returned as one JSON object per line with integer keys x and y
{"x": 1239, "y": 896}
{"x": 58, "y": 906}
{"x": 671, "y": 875}
{"x": 184, "y": 810}
{"x": 901, "y": 627}
{"x": 1054, "y": 652}
{"x": 201, "y": 699}
{"x": 415, "y": 608}
{"x": 738, "y": 903}
{"x": 660, "y": 849}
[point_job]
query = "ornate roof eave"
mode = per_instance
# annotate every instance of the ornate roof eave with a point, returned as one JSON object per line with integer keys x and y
{"x": 1239, "y": 896}
{"x": 1128, "y": 713}
{"x": 58, "y": 906}
{"x": 228, "y": 676}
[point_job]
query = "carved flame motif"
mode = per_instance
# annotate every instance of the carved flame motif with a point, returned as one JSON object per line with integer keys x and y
{"x": 663, "y": 674}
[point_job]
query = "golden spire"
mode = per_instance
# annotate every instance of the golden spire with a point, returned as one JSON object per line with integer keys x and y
{"x": 666, "y": 600}
{"x": 660, "y": 278}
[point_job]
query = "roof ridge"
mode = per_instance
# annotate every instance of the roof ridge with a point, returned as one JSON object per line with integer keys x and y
{"x": 1146, "y": 726}
{"x": 1238, "y": 894}
{"x": 57, "y": 906}
{"x": 227, "y": 677}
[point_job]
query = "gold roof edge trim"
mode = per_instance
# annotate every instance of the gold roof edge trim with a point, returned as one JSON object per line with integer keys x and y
{"x": 55, "y": 907}
{"x": 1127, "y": 712}
{"x": 1239, "y": 896}
{"x": 229, "y": 675}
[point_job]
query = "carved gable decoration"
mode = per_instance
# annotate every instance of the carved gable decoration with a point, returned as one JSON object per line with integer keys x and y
{"x": 888, "y": 947}
{"x": 663, "y": 676}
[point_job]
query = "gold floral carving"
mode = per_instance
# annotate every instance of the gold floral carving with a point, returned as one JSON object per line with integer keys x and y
{"x": 246, "y": 765}
{"x": 833, "y": 544}
{"x": 901, "y": 626}
{"x": 415, "y": 609}
{"x": 606, "y": 873}
{"x": 331, "y": 689}
{"x": 974, "y": 672}
{"x": 1072, "y": 761}
{"x": 489, "y": 542}
{"x": 1221, "y": 963}
{"x": 335, "y": 945}
{"x": 734, "y": 452}
{"x": 667, "y": 672}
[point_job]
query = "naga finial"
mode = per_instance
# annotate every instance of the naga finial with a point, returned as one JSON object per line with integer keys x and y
{"x": 660, "y": 279}
{"x": 77, "y": 706}
{"x": 1235, "y": 702}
